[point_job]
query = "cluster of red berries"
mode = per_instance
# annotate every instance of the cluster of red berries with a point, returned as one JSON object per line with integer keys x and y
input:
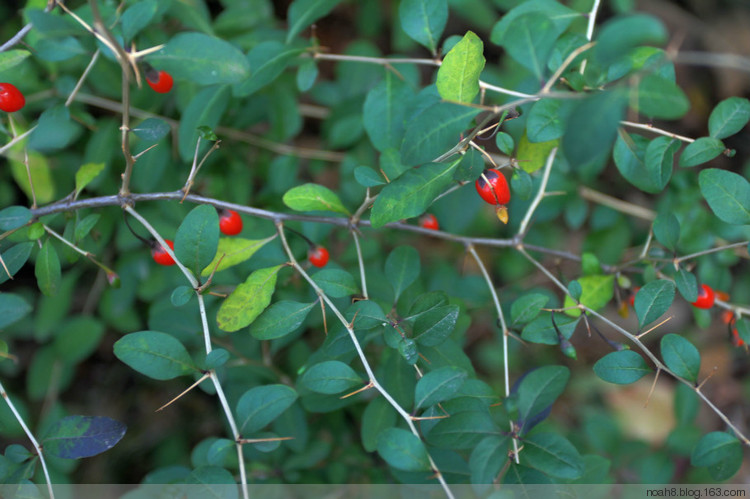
{"x": 11, "y": 99}
{"x": 493, "y": 189}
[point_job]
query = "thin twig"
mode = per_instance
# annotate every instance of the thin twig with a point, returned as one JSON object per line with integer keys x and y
{"x": 652, "y": 128}
{"x": 539, "y": 195}
{"x": 590, "y": 28}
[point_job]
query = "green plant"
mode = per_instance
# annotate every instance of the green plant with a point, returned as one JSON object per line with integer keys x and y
{"x": 469, "y": 355}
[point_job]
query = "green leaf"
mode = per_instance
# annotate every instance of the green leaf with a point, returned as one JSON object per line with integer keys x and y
{"x": 402, "y": 268}
{"x": 201, "y": 59}
{"x": 14, "y": 217}
{"x": 728, "y": 195}
{"x": 78, "y": 338}
{"x": 260, "y": 406}
{"x": 598, "y": 290}
{"x": 12, "y": 58}
{"x": 424, "y": 21}
{"x": 336, "y": 283}
{"x": 553, "y": 455}
{"x": 378, "y": 416}
{"x": 267, "y": 61}
{"x": 575, "y": 290}
{"x": 14, "y": 258}
{"x": 660, "y": 161}
{"x": 434, "y": 131}
{"x": 302, "y": 13}
{"x": 729, "y": 117}
{"x": 622, "y": 367}
{"x": 687, "y": 285}
{"x": 59, "y": 49}
{"x": 463, "y": 430}
{"x": 384, "y": 112}
{"x": 652, "y": 300}
{"x": 659, "y": 97}
{"x": 527, "y": 307}
{"x": 560, "y": 15}
{"x": 53, "y": 25}
{"x": 248, "y": 300}
{"x": 412, "y": 193}
{"x": 487, "y": 459}
{"x": 280, "y": 319}
{"x": 47, "y": 269}
{"x": 205, "y": 109}
{"x": 235, "y": 250}
{"x": 75, "y": 437}
{"x": 197, "y": 238}
{"x": 433, "y": 327}
{"x": 403, "y": 450}
{"x": 539, "y": 389}
{"x": 629, "y": 155}
{"x": 54, "y": 131}
{"x": 313, "y": 197}
{"x": 529, "y": 40}
{"x": 438, "y": 385}
{"x": 181, "y": 295}
{"x": 592, "y": 127}
{"x": 330, "y": 377}
{"x": 541, "y": 330}
{"x": 41, "y": 175}
{"x": 157, "y": 355}
{"x": 152, "y": 129}
{"x": 623, "y": 33}
{"x": 86, "y": 173}
{"x": 504, "y": 142}
{"x": 12, "y": 309}
{"x": 667, "y": 230}
{"x": 217, "y": 358}
{"x": 716, "y": 447}
{"x": 458, "y": 75}
{"x": 681, "y": 356}
{"x": 137, "y": 17}
{"x": 367, "y": 177}
{"x": 703, "y": 150}
{"x": 306, "y": 75}
{"x": 546, "y": 119}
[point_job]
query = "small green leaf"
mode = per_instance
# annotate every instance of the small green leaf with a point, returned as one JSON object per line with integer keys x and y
{"x": 47, "y": 269}
{"x": 302, "y": 13}
{"x": 75, "y": 437}
{"x": 181, "y": 295}
{"x": 434, "y": 130}
{"x": 84, "y": 226}
{"x": 504, "y": 142}
{"x": 367, "y": 177}
{"x": 313, "y": 197}
{"x": 623, "y": 33}
{"x": 137, "y": 17}
{"x": 205, "y": 109}
{"x": 560, "y": 15}
{"x": 541, "y": 330}
{"x": 330, "y": 377}
{"x": 487, "y": 459}
{"x": 78, "y": 338}
{"x": 687, "y": 285}
{"x": 527, "y": 307}
{"x": 157, "y": 355}
{"x": 592, "y": 127}
{"x": 553, "y": 455}
{"x": 86, "y": 173}
{"x": 424, "y": 21}
{"x": 248, "y": 300}
{"x": 667, "y": 230}
{"x": 659, "y": 97}
{"x": 384, "y": 113}
{"x": 729, "y": 117}
{"x": 659, "y": 161}
{"x": 259, "y": 406}
{"x": 12, "y": 309}
{"x": 12, "y": 58}
{"x": 438, "y": 385}
{"x": 267, "y": 61}
{"x": 575, "y": 290}
{"x": 622, "y": 367}
{"x": 217, "y": 358}
{"x": 539, "y": 389}
{"x": 529, "y": 40}
{"x": 681, "y": 356}
{"x": 234, "y": 251}
{"x": 336, "y": 283}
{"x": 152, "y": 129}
{"x": 280, "y": 319}
{"x": 463, "y": 430}
{"x": 728, "y": 195}
{"x": 201, "y": 59}
{"x": 412, "y": 193}
{"x": 307, "y": 73}
{"x": 521, "y": 184}
{"x": 14, "y": 217}
{"x": 55, "y": 131}
{"x": 652, "y": 300}
{"x": 402, "y": 268}
{"x": 598, "y": 290}
{"x": 458, "y": 75}
{"x": 715, "y": 447}
{"x": 433, "y": 327}
{"x": 197, "y": 238}
{"x": 703, "y": 150}
{"x": 378, "y": 416}
{"x": 403, "y": 450}
{"x": 14, "y": 258}
{"x": 546, "y": 119}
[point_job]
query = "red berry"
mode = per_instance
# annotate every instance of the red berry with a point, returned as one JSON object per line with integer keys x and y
{"x": 736, "y": 340}
{"x": 705, "y": 297}
{"x": 429, "y": 221}
{"x": 160, "y": 255}
{"x": 161, "y": 82}
{"x": 11, "y": 99}
{"x": 230, "y": 223}
{"x": 727, "y": 316}
{"x": 318, "y": 256}
{"x": 631, "y": 299}
{"x": 492, "y": 187}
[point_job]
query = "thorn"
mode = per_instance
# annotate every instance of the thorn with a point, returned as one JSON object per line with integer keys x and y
{"x": 366, "y": 387}
{"x": 351, "y": 324}
{"x": 715, "y": 370}
{"x": 243, "y": 441}
{"x": 654, "y": 327}
{"x": 425, "y": 418}
{"x": 323, "y": 310}
{"x": 653, "y": 386}
{"x": 203, "y": 378}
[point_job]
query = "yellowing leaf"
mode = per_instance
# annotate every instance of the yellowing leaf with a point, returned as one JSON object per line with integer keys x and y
{"x": 248, "y": 300}
{"x": 532, "y": 155}
{"x": 235, "y": 250}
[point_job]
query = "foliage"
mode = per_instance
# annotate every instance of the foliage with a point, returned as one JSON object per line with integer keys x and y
{"x": 398, "y": 361}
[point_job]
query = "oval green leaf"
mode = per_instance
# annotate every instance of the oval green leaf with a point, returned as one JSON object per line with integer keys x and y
{"x": 729, "y": 117}
{"x": 652, "y": 300}
{"x": 47, "y": 269}
{"x": 622, "y": 367}
{"x": 458, "y": 75}
{"x": 402, "y": 268}
{"x": 424, "y": 21}
{"x": 336, "y": 283}
{"x": 403, "y": 450}
{"x": 728, "y": 195}
{"x": 280, "y": 319}
{"x": 681, "y": 356}
{"x": 330, "y": 377}
{"x": 313, "y": 197}
{"x": 704, "y": 149}
{"x": 197, "y": 238}
{"x": 259, "y": 406}
{"x": 157, "y": 355}
{"x": 553, "y": 455}
{"x": 14, "y": 217}
{"x": 438, "y": 385}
